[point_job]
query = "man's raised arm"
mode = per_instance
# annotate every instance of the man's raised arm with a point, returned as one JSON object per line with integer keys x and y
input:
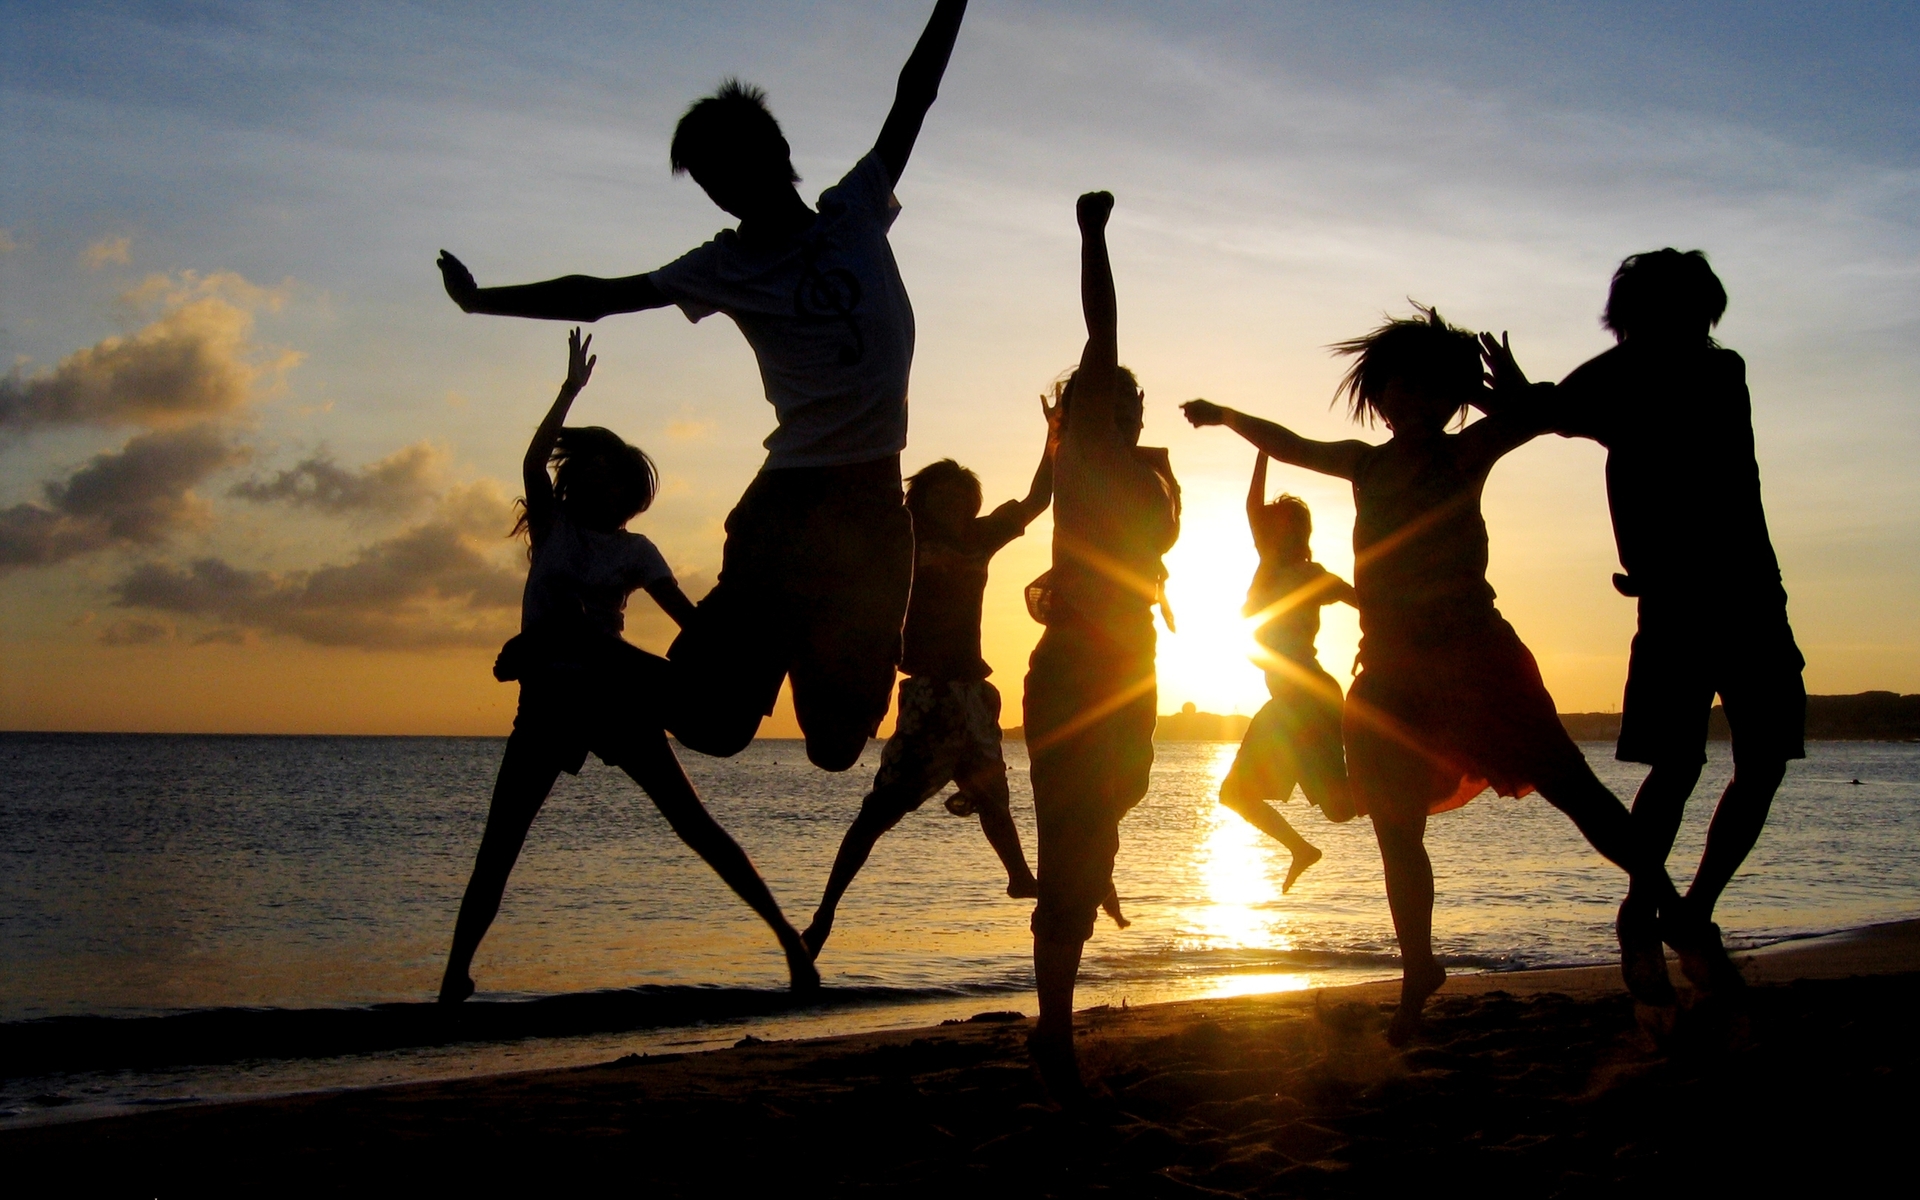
{"x": 568, "y": 298}
{"x": 919, "y": 86}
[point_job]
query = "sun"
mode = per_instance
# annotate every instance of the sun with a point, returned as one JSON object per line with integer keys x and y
{"x": 1209, "y": 659}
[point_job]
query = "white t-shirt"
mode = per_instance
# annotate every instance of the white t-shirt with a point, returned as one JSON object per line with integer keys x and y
{"x": 828, "y": 319}
{"x": 580, "y": 575}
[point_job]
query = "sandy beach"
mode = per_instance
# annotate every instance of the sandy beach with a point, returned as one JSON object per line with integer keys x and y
{"x": 1544, "y": 1082}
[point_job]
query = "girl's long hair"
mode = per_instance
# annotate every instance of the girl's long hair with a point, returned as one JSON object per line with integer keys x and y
{"x": 598, "y": 480}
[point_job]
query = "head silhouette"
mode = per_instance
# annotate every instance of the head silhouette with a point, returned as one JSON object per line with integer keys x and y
{"x": 1129, "y": 407}
{"x": 1414, "y": 373}
{"x": 1665, "y": 296}
{"x": 943, "y": 496}
{"x": 1283, "y": 529}
{"x": 733, "y": 148}
{"x": 599, "y": 481}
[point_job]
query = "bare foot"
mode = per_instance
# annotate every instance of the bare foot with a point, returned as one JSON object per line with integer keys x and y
{"x": 1416, "y": 984}
{"x": 1059, "y": 1068}
{"x": 453, "y": 990}
{"x": 1023, "y": 889}
{"x": 814, "y": 936}
{"x": 802, "y": 975}
{"x": 1704, "y": 960}
{"x": 1112, "y": 906}
{"x": 1303, "y": 858}
{"x": 1643, "y": 960}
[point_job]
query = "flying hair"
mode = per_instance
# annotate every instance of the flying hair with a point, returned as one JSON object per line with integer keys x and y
{"x": 599, "y": 480}
{"x": 1422, "y": 350}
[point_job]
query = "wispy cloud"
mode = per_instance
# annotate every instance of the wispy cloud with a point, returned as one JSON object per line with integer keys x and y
{"x": 108, "y": 250}
{"x": 398, "y": 483}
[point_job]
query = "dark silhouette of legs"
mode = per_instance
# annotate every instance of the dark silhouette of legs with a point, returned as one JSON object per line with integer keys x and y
{"x": 1267, "y": 819}
{"x": 1409, "y": 879}
{"x": 983, "y": 789}
{"x": 1657, "y": 809}
{"x": 649, "y": 760}
{"x": 879, "y": 812}
{"x": 526, "y": 776}
{"x": 1736, "y": 827}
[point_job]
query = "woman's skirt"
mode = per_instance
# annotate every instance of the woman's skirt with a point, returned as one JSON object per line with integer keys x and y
{"x": 1432, "y": 721}
{"x": 1295, "y": 738}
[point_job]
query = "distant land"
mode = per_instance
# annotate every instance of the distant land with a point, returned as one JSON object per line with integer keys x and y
{"x": 1864, "y": 717}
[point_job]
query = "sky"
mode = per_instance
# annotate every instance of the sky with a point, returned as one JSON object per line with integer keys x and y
{"x": 256, "y": 470}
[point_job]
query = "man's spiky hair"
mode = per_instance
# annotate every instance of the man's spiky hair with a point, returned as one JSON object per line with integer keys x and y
{"x": 1424, "y": 350}
{"x": 733, "y": 122}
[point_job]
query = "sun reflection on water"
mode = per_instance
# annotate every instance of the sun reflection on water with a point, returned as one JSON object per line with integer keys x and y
{"x": 1240, "y": 870}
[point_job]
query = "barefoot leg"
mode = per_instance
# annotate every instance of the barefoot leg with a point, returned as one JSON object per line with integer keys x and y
{"x": 650, "y": 761}
{"x": 526, "y": 776}
{"x": 1657, "y": 810}
{"x": 1111, "y": 906}
{"x": 1736, "y": 827}
{"x": 1055, "y": 966}
{"x": 985, "y": 791}
{"x": 1409, "y": 878}
{"x": 1267, "y": 820}
{"x": 879, "y": 812}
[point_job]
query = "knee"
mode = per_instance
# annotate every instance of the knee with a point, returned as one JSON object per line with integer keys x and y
{"x": 835, "y": 750}
{"x": 717, "y": 739}
{"x": 1766, "y": 774}
{"x": 1678, "y": 776}
{"x": 884, "y": 809}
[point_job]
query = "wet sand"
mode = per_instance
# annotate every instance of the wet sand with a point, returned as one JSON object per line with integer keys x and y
{"x": 1543, "y": 1083}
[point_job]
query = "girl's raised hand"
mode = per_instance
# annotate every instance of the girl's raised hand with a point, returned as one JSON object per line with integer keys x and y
{"x": 579, "y": 362}
{"x": 1204, "y": 412}
{"x": 1503, "y": 373}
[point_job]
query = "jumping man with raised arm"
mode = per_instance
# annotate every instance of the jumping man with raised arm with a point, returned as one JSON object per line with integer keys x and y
{"x": 819, "y": 552}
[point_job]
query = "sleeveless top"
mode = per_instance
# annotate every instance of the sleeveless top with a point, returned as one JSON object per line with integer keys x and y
{"x": 1419, "y": 542}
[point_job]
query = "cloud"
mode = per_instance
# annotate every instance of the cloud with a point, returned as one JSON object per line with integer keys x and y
{"x": 136, "y": 633}
{"x": 196, "y": 360}
{"x": 137, "y": 495}
{"x": 107, "y": 250}
{"x": 398, "y": 483}
{"x": 7, "y": 244}
{"x": 439, "y": 583}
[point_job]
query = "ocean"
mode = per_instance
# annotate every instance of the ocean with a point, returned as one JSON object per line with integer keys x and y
{"x": 185, "y": 919}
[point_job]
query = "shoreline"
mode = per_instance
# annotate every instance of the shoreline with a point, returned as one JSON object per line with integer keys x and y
{"x": 1248, "y": 1080}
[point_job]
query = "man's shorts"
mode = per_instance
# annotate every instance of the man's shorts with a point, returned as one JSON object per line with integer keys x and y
{"x": 945, "y": 731}
{"x": 813, "y": 585}
{"x": 1685, "y": 654}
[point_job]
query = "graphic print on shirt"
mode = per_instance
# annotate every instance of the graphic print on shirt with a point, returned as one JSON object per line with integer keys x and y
{"x": 832, "y": 294}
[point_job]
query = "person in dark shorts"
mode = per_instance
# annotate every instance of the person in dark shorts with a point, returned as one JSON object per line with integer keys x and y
{"x": 583, "y": 687}
{"x": 1295, "y": 737}
{"x": 1090, "y": 696}
{"x": 1448, "y": 700}
{"x": 818, "y": 562}
{"x": 1672, "y": 409}
{"x": 947, "y": 726}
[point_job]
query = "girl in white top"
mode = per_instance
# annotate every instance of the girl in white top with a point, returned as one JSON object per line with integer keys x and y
{"x": 582, "y": 686}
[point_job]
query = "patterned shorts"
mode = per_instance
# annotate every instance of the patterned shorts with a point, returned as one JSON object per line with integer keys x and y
{"x": 946, "y": 731}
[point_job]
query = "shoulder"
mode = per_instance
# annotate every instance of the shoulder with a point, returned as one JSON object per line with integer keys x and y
{"x": 865, "y": 192}
{"x": 637, "y": 554}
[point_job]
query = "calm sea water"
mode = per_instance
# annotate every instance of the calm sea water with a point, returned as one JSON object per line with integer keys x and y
{"x": 191, "y": 918}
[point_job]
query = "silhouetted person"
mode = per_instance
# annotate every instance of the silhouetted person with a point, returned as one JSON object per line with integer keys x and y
{"x": 819, "y": 553}
{"x": 1295, "y": 737}
{"x": 1090, "y": 699}
{"x": 1448, "y": 700}
{"x": 583, "y": 687}
{"x": 947, "y": 725}
{"x": 1671, "y": 407}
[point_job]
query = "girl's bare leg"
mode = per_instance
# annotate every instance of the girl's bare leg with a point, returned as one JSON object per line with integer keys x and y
{"x": 879, "y": 812}
{"x": 1409, "y": 877}
{"x": 526, "y": 776}
{"x": 985, "y": 791}
{"x": 651, "y": 764}
{"x": 1267, "y": 820}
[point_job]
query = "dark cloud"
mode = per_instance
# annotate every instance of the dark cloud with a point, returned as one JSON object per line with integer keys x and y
{"x": 195, "y": 361}
{"x": 137, "y": 495}
{"x": 136, "y": 633}
{"x": 398, "y": 483}
{"x": 444, "y": 582}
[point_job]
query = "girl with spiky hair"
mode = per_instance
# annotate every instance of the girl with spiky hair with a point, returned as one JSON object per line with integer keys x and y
{"x": 1448, "y": 701}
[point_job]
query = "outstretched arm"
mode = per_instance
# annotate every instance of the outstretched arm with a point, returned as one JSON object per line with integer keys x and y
{"x": 1091, "y": 421}
{"x": 568, "y": 298}
{"x": 1329, "y": 458}
{"x": 533, "y": 468}
{"x": 919, "y": 87}
{"x": 1041, "y": 493}
{"x": 1257, "y": 490}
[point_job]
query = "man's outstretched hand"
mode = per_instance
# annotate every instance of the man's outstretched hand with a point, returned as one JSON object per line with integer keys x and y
{"x": 1093, "y": 210}
{"x": 459, "y": 281}
{"x": 1503, "y": 373}
{"x": 1203, "y": 413}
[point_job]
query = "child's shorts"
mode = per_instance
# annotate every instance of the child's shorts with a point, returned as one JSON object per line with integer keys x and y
{"x": 945, "y": 731}
{"x": 568, "y": 712}
{"x": 1683, "y": 655}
